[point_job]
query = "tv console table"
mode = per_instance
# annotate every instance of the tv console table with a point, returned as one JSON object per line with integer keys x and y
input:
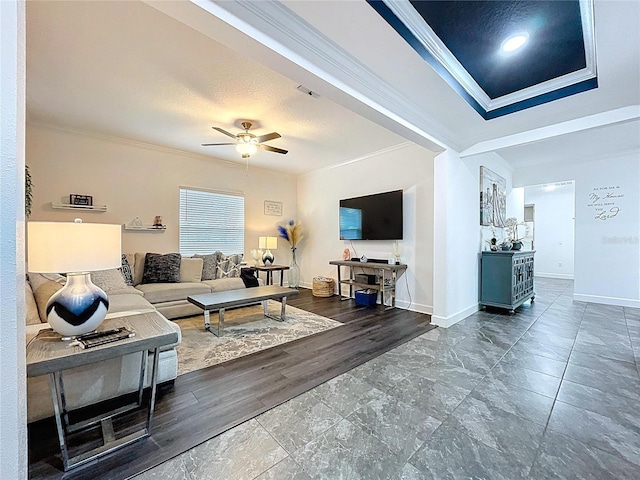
{"x": 386, "y": 273}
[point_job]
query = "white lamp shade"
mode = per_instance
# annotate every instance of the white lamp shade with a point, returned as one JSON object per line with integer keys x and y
{"x": 268, "y": 243}
{"x": 69, "y": 247}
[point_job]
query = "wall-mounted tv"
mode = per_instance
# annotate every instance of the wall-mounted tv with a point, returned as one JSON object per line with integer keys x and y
{"x": 372, "y": 217}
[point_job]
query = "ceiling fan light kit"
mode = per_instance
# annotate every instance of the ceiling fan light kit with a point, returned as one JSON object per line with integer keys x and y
{"x": 247, "y": 143}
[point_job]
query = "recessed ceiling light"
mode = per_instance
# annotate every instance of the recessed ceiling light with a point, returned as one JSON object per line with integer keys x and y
{"x": 514, "y": 42}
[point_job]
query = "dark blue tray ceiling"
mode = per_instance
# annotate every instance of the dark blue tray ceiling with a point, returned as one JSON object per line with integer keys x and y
{"x": 557, "y": 60}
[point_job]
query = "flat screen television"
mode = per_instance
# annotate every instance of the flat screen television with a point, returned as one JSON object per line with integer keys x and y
{"x": 372, "y": 217}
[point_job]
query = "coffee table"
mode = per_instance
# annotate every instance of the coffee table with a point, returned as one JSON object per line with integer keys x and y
{"x": 240, "y": 298}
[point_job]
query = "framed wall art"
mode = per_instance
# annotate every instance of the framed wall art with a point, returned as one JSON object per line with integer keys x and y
{"x": 493, "y": 198}
{"x": 272, "y": 207}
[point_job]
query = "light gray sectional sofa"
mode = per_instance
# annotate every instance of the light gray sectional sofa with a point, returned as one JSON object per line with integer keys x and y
{"x": 105, "y": 380}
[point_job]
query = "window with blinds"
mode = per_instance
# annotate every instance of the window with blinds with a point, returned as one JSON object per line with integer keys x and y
{"x": 211, "y": 221}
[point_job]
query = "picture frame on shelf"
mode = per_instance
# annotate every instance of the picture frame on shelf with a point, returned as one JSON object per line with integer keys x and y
{"x": 273, "y": 208}
{"x": 77, "y": 199}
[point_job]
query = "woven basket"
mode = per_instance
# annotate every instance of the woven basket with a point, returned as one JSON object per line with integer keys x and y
{"x": 323, "y": 286}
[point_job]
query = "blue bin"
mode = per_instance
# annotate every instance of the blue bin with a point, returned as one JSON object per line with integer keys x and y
{"x": 366, "y": 298}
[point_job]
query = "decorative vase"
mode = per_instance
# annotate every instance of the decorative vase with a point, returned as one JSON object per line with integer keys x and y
{"x": 294, "y": 270}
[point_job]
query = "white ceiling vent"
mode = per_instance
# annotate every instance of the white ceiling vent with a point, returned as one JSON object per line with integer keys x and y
{"x": 306, "y": 91}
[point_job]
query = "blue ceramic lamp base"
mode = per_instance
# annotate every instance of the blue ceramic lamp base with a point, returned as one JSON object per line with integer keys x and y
{"x": 79, "y": 307}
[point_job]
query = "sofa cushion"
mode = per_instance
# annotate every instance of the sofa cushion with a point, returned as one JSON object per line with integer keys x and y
{"x": 159, "y": 268}
{"x": 127, "y": 302}
{"x": 223, "y": 284}
{"x": 229, "y": 267}
{"x": 44, "y": 286}
{"x": 210, "y": 264}
{"x": 109, "y": 280}
{"x": 126, "y": 270}
{"x": 191, "y": 269}
{"x": 138, "y": 267}
{"x": 32, "y": 315}
{"x": 167, "y": 292}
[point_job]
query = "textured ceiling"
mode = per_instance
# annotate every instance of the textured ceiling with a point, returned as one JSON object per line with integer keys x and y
{"x": 166, "y": 72}
{"x": 125, "y": 69}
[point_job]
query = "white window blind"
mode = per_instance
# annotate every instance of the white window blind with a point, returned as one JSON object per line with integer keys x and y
{"x": 211, "y": 221}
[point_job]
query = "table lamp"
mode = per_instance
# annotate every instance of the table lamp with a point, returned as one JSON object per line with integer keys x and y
{"x": 266, "y": 244}
{"x": 74, "y": 248}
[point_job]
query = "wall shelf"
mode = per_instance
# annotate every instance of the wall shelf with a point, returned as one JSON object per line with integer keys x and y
{"x": 89, "y": 208}
{"x": 145, "y": 228}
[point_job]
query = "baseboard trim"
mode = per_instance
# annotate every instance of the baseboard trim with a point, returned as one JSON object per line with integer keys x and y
{"x": 451, "y": 320}
{"x": 621, "y": 302}
{"x": 415, "y": 307}
{"x": 562, "y": 276}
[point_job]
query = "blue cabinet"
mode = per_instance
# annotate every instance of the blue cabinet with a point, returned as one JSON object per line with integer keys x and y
{"x": 506, "y": 279}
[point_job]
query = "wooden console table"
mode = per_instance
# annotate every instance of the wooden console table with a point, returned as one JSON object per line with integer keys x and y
{"x": 386, "y": 273}
{"x": 48, "y": 355}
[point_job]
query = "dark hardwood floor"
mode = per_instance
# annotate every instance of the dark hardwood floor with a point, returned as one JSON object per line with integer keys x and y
{"x": 205, "y": 403}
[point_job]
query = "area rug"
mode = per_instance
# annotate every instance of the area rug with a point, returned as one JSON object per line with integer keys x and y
{"x": 246, "y": 330}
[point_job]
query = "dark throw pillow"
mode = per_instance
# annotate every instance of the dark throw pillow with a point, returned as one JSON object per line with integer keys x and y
{"x": 126, "y": 271}
{"x": 209, "y": 265}
{"x": 160, "y": 268}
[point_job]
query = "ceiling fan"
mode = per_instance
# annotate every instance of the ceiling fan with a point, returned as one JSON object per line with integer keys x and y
{"x": 247, "y": 143}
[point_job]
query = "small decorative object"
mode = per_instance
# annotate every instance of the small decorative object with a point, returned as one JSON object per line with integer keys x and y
{"x": 506, "y": 246}
{"x": 257, "y": 257}
{"x": 136, "y": 223}
{"x": 511, "y": 225}
{"x": 346, "y": 254}
{"x": 364, "y": 259}
{"x": 396, "y": 251}
{"x": 84, "y": 200}
{"x": 157, "y": 221}
{"x": 268, "y": 243}
{"x": 493, "y": 244}
{"x": 292, "y": 233}
{"x": 77, "y": 248}
{"x": 273, "y": 208}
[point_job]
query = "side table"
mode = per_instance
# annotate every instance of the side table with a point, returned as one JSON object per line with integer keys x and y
{"x": 48, "y": 355}
{"x": 270, "y": 269}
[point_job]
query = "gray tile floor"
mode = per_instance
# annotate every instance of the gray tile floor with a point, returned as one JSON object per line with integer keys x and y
{"x": 550, "y": 392}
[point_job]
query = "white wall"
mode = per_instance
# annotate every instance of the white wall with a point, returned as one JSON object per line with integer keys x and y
{"x": 408, "y": 167}
{"x": 135, "y": 179}
{"x": 554, "y": 228}
{"x": 607, "y": 251}
{"x": 459, "y": 239}
{"x": 13, "y": 429}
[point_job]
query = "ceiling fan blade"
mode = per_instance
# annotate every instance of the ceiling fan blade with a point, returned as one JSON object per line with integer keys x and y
{"x": 267, "y": 137}
{"x": 271, "y": 149}
{"x": 214, "y": 144}
{"x": 224, "y": 131}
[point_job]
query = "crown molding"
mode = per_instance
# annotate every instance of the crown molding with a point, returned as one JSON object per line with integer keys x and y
{"x": 304, "y": 45}
{"x": 611, "y": 117}
{"x": 137, "y": 143}
{"x": 366, "y": 156}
